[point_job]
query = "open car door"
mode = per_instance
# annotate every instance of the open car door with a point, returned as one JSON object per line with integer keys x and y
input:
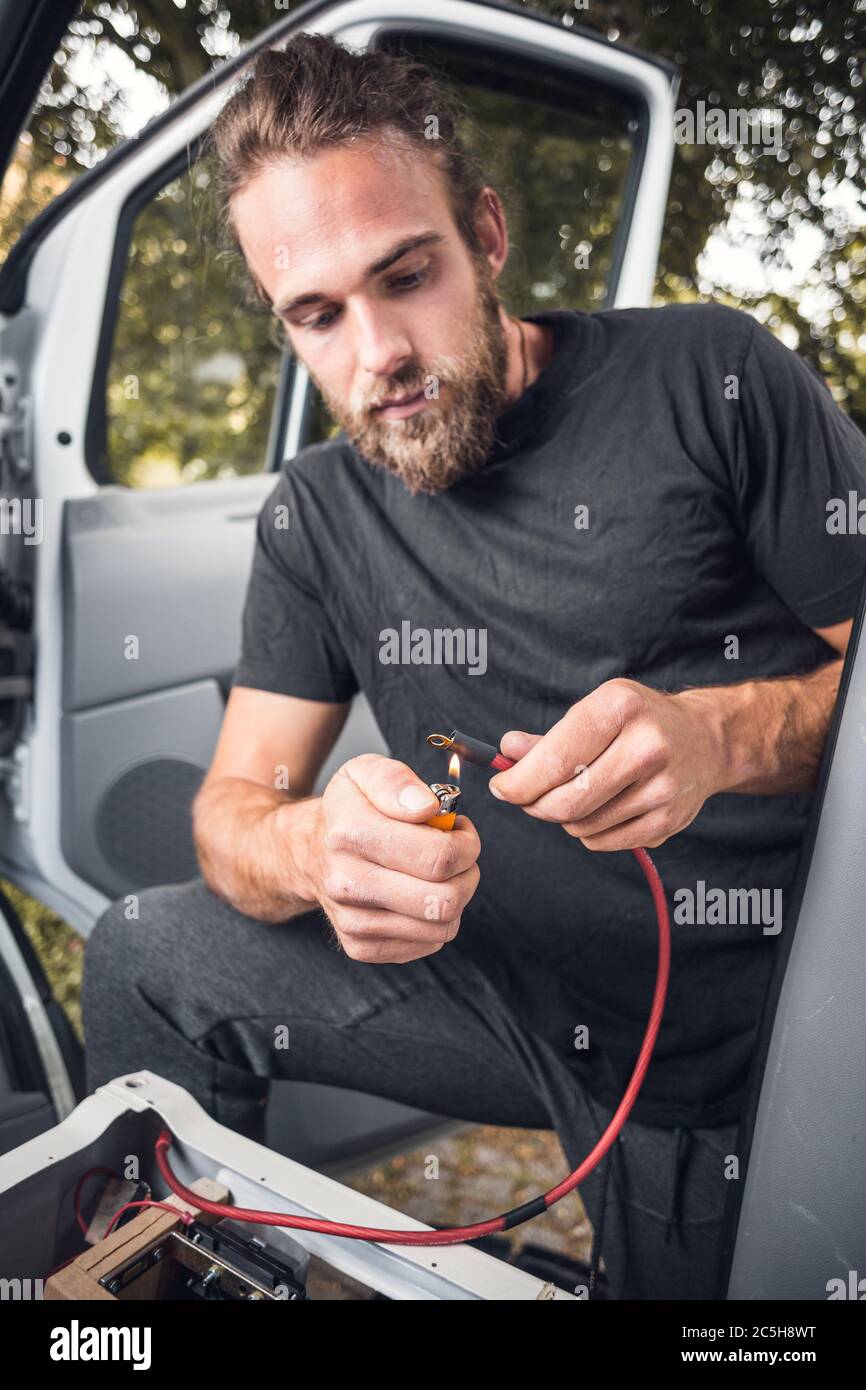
{"x": 796, "y": 1222}
{"x": 146, "y": 409}
{"x": 41, "y": 1068}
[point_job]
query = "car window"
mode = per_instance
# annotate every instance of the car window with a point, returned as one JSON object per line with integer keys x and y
{"x": 192, "y": 367}
{"x": 559, "y": 151}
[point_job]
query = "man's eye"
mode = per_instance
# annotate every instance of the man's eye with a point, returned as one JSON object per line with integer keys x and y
{"x": 320, "y": 322}
{"x": 409, "y": 281}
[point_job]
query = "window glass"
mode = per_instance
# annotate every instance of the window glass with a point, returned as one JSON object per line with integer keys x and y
{"x": 558, "y": 150}
{"x": 194, "y": 364}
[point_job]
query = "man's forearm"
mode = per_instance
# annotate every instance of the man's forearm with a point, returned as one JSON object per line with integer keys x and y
{"x": 771, "y": 732}
{"x": 254, "y": 847}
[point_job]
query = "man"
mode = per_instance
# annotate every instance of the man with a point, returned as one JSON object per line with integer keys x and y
{"x": 603, "y": 537}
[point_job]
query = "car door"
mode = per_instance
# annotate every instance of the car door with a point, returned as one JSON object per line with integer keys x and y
{"x": 796, "y": 1218}
{"x": 147, "y": 407}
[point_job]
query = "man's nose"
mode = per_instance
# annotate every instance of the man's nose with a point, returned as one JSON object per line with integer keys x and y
{"x": 382, "y": 345}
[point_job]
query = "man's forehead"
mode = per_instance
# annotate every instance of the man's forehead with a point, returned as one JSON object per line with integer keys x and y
{"x": 334, "y": 214}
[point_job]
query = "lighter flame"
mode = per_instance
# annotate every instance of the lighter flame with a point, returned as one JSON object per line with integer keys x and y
{"x": 454, "y": 768}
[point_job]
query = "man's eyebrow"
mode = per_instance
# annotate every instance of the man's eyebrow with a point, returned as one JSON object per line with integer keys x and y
{"x": 376, "y": 267}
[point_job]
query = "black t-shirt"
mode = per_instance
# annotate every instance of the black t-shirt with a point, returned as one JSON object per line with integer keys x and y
{"x": 705, "y": 453}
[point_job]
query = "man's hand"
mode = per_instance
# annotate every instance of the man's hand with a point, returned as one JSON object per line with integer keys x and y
{"x": 392, "y": 887}
{"x": 627, "y": 766}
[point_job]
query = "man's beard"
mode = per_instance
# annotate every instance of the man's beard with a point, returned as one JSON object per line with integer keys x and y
{"x": 437, "y": 446}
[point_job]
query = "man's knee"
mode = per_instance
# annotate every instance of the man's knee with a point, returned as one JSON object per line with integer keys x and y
{"x": 141, "y": 963}
{"x": 137, "y": 933}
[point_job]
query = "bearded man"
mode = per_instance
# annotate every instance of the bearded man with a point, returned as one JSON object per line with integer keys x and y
{"x": 630, "y": 505}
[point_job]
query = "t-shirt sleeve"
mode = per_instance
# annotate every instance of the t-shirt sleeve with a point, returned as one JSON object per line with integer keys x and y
{"x": 288, "y": 642}
{"x": 798, "y": 456}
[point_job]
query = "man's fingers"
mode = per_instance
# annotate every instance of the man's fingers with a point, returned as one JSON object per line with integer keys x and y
{"x": 580, "y": 737}
{"x": 642, "y": 832}
{"x": 642, "y": 799}
{"x": 430, "y": 853}
{"x": 516, "y": 744}
{"x": 384, "y": 950}
{"x": 378, "y": 888}
{"x": 595, "y": 789}
{"x": 362, "y": 925}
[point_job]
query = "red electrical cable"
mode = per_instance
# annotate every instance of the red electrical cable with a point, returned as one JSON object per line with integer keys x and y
{"x": 128, "y": 1206}
{"x": 457, "y": 1234}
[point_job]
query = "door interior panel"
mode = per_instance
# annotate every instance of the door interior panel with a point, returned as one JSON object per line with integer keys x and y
{"x": 130, "y": 771}
{"x": 139, "y": 724}
{"x": 166, "y": 567}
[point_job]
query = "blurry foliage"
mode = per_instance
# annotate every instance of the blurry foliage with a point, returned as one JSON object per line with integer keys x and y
{"x": 59, "y": 948}
{"x": 559, "y": 157}
{"x": 193, "y": 368}
{"x": 802, "y": 59}
{"x": 75, "y": 122}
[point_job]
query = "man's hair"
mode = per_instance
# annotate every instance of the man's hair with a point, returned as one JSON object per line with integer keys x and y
{"x": 316, "y": 94}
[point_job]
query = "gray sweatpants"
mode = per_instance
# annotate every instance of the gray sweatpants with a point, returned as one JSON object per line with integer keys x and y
{"x": 202, "y": 995}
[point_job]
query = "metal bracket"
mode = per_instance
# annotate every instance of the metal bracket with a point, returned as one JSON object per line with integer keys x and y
{"x": 16, "y": 426}
{"x": 15, "y": 776}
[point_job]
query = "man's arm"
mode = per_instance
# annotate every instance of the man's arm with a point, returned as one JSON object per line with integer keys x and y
{"x": 254, "y": 815}
{"x": 629, "y": 766}
{"x": 772, "y": 732}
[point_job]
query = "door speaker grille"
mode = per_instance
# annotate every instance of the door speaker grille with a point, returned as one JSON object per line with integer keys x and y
{"x": 143, "y": 823}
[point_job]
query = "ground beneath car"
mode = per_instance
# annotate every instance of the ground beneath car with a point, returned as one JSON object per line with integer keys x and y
{"x": 482, "y": 1171}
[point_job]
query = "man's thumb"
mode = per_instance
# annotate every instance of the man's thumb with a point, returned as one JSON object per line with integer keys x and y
{"x": 393, "y": 788}
{"x": 416, "y": 797}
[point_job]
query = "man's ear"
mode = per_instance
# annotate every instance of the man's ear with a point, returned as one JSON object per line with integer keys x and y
{"x": 492, "y": 229}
